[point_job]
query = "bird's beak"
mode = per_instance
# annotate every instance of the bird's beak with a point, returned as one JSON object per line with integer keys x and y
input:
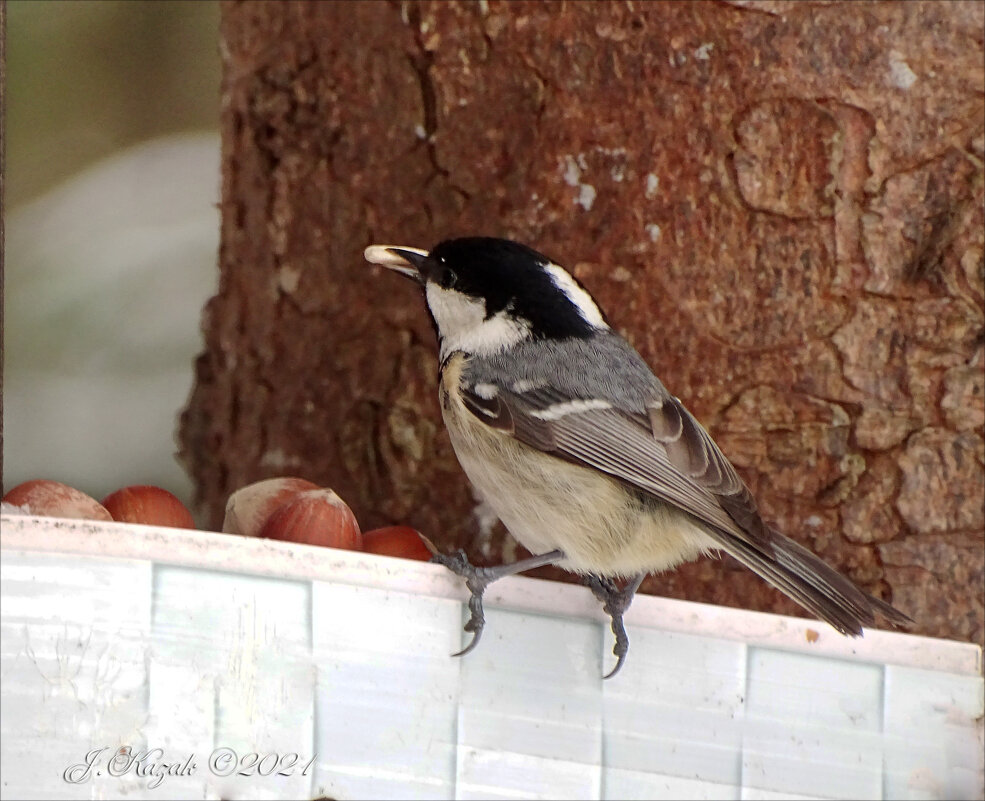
{"x": 406, "y": 261}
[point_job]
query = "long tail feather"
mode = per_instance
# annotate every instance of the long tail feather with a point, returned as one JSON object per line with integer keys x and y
{"x": 817, "y": 587}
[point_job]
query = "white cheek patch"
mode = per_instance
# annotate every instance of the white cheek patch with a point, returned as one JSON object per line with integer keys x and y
{"x": 463, "y": 326}
{"x": 559, "y": 410}
{"x": 579, "y": 297}
{"x": 453, "y": 311}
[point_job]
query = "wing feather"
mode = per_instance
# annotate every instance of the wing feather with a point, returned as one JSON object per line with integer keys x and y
{"x": 664, "y": 451}
{"x": 695, "y": 453}
{"x": 620, "y": 444}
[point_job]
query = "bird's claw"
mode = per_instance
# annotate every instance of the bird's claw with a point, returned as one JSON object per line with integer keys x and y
{"x": 476, "y": 579}
{"x": 621, "y": 647}
{"x": 475, "y": 625}
{"x": 476, "y": 582}
{"x": 615, "y": 602}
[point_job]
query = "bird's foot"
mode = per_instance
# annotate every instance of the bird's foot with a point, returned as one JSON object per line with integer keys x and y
{"x": 615, "y": 602}
{"x": 478, "y": 578}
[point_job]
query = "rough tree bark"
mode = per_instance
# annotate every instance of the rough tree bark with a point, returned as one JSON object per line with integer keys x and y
{"x": 780, "y": 205}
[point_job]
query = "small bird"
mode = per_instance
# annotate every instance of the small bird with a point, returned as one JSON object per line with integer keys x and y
{"x": 581, "y": 451}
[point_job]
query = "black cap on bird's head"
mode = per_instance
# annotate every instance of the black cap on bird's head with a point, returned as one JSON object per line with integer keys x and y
{"x": 485, "y": 289}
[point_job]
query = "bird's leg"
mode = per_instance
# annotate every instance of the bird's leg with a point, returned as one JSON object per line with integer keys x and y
{"x": 478, "y": 578}
{"x": 615, "y": 602}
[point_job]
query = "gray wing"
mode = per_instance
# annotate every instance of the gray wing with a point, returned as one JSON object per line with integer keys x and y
{"x": 660, "y": 449}
{"x": 644, "y": 437}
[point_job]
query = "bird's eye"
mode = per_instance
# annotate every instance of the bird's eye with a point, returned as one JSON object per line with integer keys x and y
{"x": 447, "y": 278}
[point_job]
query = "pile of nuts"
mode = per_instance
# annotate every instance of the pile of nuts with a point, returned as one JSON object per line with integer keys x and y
{"x": 291, "y": 509}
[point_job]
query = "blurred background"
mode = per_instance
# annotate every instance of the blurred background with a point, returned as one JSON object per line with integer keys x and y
{"x": 111, "y": 235}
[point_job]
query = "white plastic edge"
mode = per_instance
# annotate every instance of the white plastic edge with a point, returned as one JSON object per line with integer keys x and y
{"x": 287, "y": 560}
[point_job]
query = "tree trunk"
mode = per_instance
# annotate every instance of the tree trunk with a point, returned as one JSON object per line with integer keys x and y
{"x": 780, "y": 205}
